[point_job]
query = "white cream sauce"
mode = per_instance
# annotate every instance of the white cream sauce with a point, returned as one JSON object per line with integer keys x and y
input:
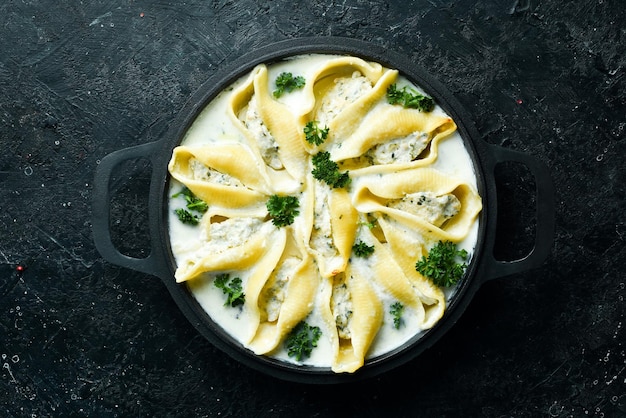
{"x": 213, "y": 125}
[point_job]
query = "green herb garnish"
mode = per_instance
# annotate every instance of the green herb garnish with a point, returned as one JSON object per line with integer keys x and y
{"x": 327, "y": 171}
{"x": 313, "y": 134}
{"x": 283, "y": 209}
{"x": 186, "y": 217}
{"x": 441, "y": 265}
{"x": 370, "y": 225}
{"x": 198, "y": 205}
{"x": 302, "y": 340}
{"x": 361, "y": 249}
{"x": 409, "y": 98}
{"x": 231, "y": 288}
{"x": 286, "y": 82}
{"x": 193, "y": 203}
{"x": 396, "y": 310}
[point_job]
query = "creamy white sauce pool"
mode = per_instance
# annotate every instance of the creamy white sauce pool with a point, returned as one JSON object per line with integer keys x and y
{"x": 212, "y": 126}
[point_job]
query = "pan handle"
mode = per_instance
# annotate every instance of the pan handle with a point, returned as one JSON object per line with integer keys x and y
{"x": 152, "y": 264}
{"x": 545, "y": 216}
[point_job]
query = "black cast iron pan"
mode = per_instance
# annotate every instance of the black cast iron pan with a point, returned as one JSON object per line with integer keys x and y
{"x": 482, "y": 268}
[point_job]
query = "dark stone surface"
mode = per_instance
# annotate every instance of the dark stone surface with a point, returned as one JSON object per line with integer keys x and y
{"x": 82, "y": 337}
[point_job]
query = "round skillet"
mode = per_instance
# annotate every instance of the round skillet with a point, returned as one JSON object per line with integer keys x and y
{"x": 485, "y": 158}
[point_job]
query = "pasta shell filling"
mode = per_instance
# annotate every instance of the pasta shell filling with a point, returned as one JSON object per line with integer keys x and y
{"x": 274, "y": 292}
{"x": 342, "y": 92}
{"x": 400, "y": 150}
{"x": 219, "y": 234}
{"x": 428, "y": 206}
{"x": 341, "y": 306}
{"x": 322, "y": 238}
{"x": 210, "y": 175}
{"x": 267, "y": 144}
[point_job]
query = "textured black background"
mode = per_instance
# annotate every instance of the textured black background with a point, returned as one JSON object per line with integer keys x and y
{"x": 82, "y": 337}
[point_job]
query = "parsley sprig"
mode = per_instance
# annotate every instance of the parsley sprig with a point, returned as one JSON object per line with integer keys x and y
{"x": 286, "y": 82}
{"x": 302, "y": 340}
{"x": 186, "y": 217}
{"x": 283, "y": 209}
{"x": 327, "y": 171}
{"x": 396, "y": 310}
{"x": 409, "y": 98}
{"x": 442, "y": 266}
{"x": 231, "y": 288}
{"x": 361, "y": 249}
{"x": 194, "y": 203}
{"x": 314, "y": 134}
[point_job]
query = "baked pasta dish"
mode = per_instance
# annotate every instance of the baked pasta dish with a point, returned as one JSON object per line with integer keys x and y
{"x": 310, "y": 204}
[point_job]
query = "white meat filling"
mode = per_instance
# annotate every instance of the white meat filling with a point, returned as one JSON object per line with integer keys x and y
{"x": 274, "y": 294}
{"x": 202, "y": 172}
{"x": 230, "y": 233}
{"x": 343, "y": 93}
{"x": 400, "y": 150}
{"x": 341, "y": 306}
{"x": 428, "y": 206}
{"x": 264, "y": 139}
{"x": 321, "y": 236}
